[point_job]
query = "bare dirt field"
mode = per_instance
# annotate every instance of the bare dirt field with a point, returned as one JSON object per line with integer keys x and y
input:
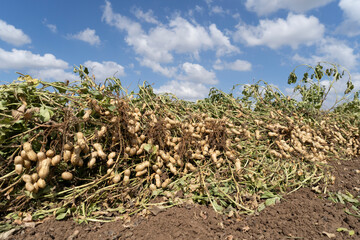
{"x": 303, "y": 214}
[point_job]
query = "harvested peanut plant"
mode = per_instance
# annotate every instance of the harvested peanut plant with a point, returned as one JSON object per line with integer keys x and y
{"x": 78, "y": 148}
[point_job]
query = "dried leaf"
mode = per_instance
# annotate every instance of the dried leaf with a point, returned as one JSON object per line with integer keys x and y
{"x": 329, "y": 235}
{"x": 7, "y": 234}
{"x": 28, "y": 218}
{"x": 156, "y": 210}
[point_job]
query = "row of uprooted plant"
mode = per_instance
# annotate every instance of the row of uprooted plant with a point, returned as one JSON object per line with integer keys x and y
{"x": 76, "y": 148}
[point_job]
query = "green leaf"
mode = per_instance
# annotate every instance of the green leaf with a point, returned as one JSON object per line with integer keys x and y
{"x": 341, "y": 200}
{"x": 45, "y": 113}
{"x": 348, "y": 198}
{"x": 150, "y": 148}
{"x": 292, "y": 78}
{"x": 354, "y": 208}
{"x": 266, "y": 195}
{"x": 350, "y": 232}
{"x": 271, "y": 201}
{"x": 342, "y": 229}
{"x": 350, "y": 87}
{"x": 60, "y": 89}
{"x": 19, "y": 91}
{"x": 217, "y": 206}
{"x": 3, "y": 105}
{"x": 261, "y": 207}
{"x": 60, "y": 210}
{"x": 61, "y": 216}
{"x": 156, "y": 192}
{"x": 147, "y": 147}
{"x": 112, "y": 108}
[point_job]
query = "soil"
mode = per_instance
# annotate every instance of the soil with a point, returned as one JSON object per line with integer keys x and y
{"x": 303, "y": 214}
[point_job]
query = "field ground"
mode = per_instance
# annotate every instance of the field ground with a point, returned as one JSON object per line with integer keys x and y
{"x": 303, "y": 214}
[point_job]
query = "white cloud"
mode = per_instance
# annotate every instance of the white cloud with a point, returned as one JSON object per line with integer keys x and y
{"x": 52, "y": 27}
{"x": 179, "y": 36}
{"x": 351, "y": 25}
{"x": 198, "y": 8}
{"x": 190, "y": 83}
{"x": 20, "y": 59}
{"x": 119, "y": 21}
{"x": 238, "y": 65}
{"x": 12, "y": 35}
{"x": 348, "y": 28}
{"x": 147, "y": 17}
{"x": 46, "y": 67}
{"x": 218, "y": 10}
{"x": 222, "y": 42}
{"x": 208, "y": 2}
{"x": 156, "y": 67}
{"x": 104, "y": 69}
{"x": 53, "y": 74}
{"x": 264, "y": 7}
{"x": 236, "y": 16}
{"x": 331, "y": 50}
{"x": 185, "y": 90}
{"x": 293, "y": 31}
{"x": 88, "y": 35}
{"x": 157, "y": 48}
{"x": 196, "y": 73}
{"x": 351, "y": 9}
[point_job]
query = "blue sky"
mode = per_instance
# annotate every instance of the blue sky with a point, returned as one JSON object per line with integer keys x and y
{"x": 184, "y": 47}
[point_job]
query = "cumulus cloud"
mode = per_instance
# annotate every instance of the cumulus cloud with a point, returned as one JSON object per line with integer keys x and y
{"x": 105, "y": 69}
{"x": 88, "y": 35}
{"x": 208, "y": 2}
{"x": 351, "y": 9}
{"x": 159, "y": 44}
{"x": 51, "y": 27}
{"x": 12, "y": 35}
{"x": 53, "y": 74}
{"x": 156, "y": 67}
{"x": 331, "y": 50}
{"x": 191, "y": 83}
{"x": 46, "y": 67}
{"x": 184, "y": 89}
{"x": 196, "y": 73}
{"x": 157, "y": 47}
{"x": 351, "y": 24}
{"x": 238, "y": 65}
{"x": 146, "y": 16}
{"x": 293, "y": 31}
{"x": 21, "y": 59}
{"x": 222, "y": 42}
{"x": 218, "y": 10}
{"x": 197, "y": 9}
{"x": 264, "y": 7}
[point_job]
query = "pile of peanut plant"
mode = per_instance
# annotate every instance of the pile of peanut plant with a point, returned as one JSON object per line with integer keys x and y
{"x": 83, "y": 148}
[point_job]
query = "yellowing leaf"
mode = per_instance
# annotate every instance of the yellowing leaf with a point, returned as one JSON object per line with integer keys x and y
{"x": 29, "y": 80}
